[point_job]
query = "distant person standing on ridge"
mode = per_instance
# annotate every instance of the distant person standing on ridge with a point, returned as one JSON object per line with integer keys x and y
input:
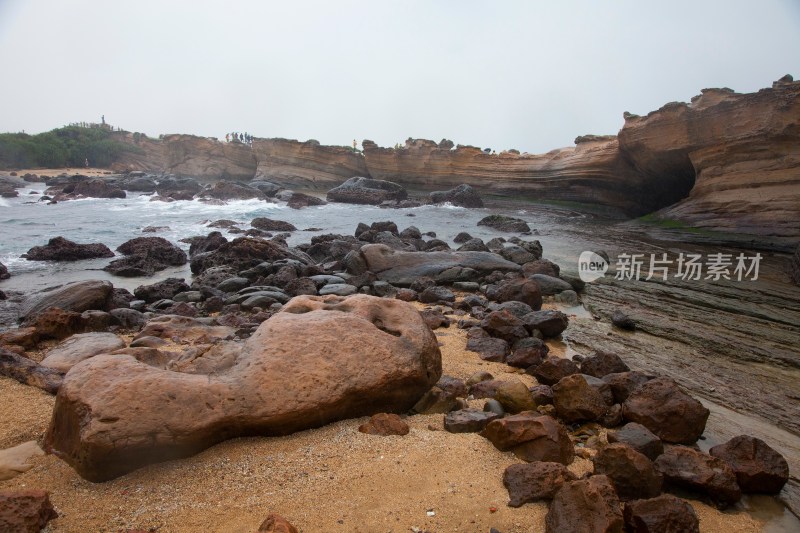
{"x": 354, "y": 145}
{"x": 227, "y": 137}
{"x": 86, "y": 162}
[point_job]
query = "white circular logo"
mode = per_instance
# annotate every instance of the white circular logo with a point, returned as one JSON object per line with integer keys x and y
{"x": 591, "y": 266}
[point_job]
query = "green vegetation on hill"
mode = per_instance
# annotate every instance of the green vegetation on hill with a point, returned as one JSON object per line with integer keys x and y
{"x": 69, "y": 146}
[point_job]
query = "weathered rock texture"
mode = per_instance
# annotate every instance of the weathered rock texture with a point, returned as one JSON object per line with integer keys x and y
{"x": 741, "y": 153}
{"x": 189, "y": 155}
{"x": 319, "y": 360}
{"x": 725, "y": 161}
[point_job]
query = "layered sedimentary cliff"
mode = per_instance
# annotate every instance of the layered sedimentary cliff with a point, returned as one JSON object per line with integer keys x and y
{"x": 188, "y": 155}
{"x": 741, "y": 152}
{"x": 306, "y": 164}
{"x": 726, "y": 161}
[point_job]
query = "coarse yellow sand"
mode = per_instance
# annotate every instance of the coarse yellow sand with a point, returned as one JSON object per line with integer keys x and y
{"x": 331, "y": 479}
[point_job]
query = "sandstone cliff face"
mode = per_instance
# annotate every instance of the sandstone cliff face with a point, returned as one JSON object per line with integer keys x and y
{"x": 593, "y": 171}
{"x": 306, "y": 164}
{"x": 188, "y": 155}
{"x": 741, "y": 153}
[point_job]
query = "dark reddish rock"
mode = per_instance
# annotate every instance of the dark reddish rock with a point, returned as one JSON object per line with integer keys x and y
{"x": 4, "y": 272}
{"x": 612, "y": 418}
{"x": 503, "y": 325}
{"x": 541, "y": 266}
{"x": 639, "y": 438}
{"x": 632, "y": 474}
{"x": 585, "y": 506}
{"x": 384, "y": 424}
{"x": 462, "y": 237}
{"x": 436, "y": 401}
{"x": 489, "y": 348}
{"x": 515, "y": 397}
{"x": 243, "y": 253}
{"x": 25, "y": 511}
{"x": 28, "y": 372}
{"x": 542, "y": 394}
{"x": 55, "y": 323}
{"x": 532, "y": 437}
{"x": 505, "y": 223}
{"x": 436, "y": 295}
{"x": 527, "y": 352}
{"x": 361, "y": 190}
{"x": 95, "y": 188}
{"x": 468, "y": 420}
{"x": 622, "y": 320}
{"x": 298, "y": 200}
{"x": 453, "y": 386}
{"x": 531, "y": 482}
{"x": 577, "y": 401}
{"x": 406, "y": 295}
{"x": 553, "y": 369}
{"x": 662, "y": 514}
{"x": 268, "y": 224}
{"x": 602, "y": 363}
{"x": 61, "y": 249}
{"x": 275, "y": 523}
{"x": 549, "y": 322}
{"x": 463, "y": 195}
{"x": 663, "y": 408}
{"x": 299, "y": 286}
{"x": 163, "y": 290}
{"x": 519, "y": 290}
{"x": 686, "y": 468}
{"x": 624, "y": 383}
{"x": 200, "y": 244}
{"x": 78, "y": 296}
{"x": 144, "y": 256}
{"x": 435, "y": 319}
{"x": 485, "y": 388}
{"x": 758, "y": 467}
{"x": 602, "y": 387}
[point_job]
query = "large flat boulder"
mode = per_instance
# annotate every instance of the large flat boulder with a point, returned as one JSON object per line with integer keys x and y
{"x": 78, "y": 296}
{"x": 79, "y": 347}
{"x": 61, "y": 249}
{"x": 403, "y": 268}
{"x": 319, "y": 360}
{"x": 360, "y": 190}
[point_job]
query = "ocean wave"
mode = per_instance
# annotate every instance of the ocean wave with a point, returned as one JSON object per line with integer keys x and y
{"x": 4, "y": 203}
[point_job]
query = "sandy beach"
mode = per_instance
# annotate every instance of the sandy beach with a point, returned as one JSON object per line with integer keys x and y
{"x": 328, "y": 479}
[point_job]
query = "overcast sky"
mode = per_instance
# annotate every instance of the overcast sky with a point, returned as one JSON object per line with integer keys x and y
{"x": 516, "y": 74}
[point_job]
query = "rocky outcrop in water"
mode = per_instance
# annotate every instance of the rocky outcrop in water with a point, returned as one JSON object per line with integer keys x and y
{"x": 61, "y": 249}
{"x": 361, "y": 190}
{"x": 144, "y": 256}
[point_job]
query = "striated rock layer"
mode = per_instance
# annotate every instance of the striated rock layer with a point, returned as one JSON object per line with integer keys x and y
{"x": 741, "y": 152}
{"x": 726, "y": 162}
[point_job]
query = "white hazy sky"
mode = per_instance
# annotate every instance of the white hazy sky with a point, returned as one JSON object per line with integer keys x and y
{"x": 529, "y": 75}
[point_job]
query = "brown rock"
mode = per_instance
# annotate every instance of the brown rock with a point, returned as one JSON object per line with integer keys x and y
{"x": 690, "y": 469}
{"x": 14, "y": 461}
{"x": 576, "y": 401}
{"x": 516, "y": 290}
{"x": 244, "y": 252}
{"x": 632, "y": 474}
{"x": 758, "y": 467}
{"x": 268, "y": 224}
{"x": 144, "y": 256}
{"x": 532, "y": 437}
{"x": 503, "y": 325}
{"x": 552, "y": 370}
{"x": 527, "y": 352}
{"x": 275, "y": 523}
{"x": 468, "y": 420}
{"x": 663, "y": 514}
{"x": 585, "y": 506}
{"x": 624, "y": 383}
{"x": 78, "y": 296}
{"x": 639, "y": 438}
{"x": 25, "y": 511}
{"x": 486, "y": 388}
{"x": 79, "y": 347}
{"x": 489, "y": 348}
{"x": 602, "y": 363}
{"x": 365, "y": 355}
{"x": 531, "y": 482}
{"x": 515, "y": 397}
{"x": 55, "y": 323}
{"x": 384, "y": 424}
{"x": 185, "y": 329}
{"x": 663, "y": 408}
{"x": 361, "y": 190}
{"x": 435, "y": 401}
{"x": 61, "y": 249}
